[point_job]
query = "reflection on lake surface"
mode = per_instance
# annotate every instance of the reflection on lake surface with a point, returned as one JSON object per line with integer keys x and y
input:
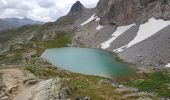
{"x": 87, "y": 61}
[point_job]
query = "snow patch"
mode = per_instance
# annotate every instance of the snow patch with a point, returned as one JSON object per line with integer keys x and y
{"x": 99, "y": 27}
{"x": 120, "y": 49}
{"x": 97, "y": 19}
{"x": 89, "y": 20}
{"x": 146, "y": 30}
{"x": 168, "y": 65}
{"x": 93, "y": 17}
{"x": 120, "y": 30}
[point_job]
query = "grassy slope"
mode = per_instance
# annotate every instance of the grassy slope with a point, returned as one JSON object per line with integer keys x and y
{"x": 8, "y": 34}
{"x": 61, "y": 40}
{"x": 157, "y": 82}
{"x": 79, "y": 85}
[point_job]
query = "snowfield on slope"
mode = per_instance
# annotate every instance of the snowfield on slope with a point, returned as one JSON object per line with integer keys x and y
{"x": 120, "y": 30}
{"x": 89, "y": 20}
{"x": 97, "y": 19}
{"x": 146, "y": 30}
{"x": 99, "y": 27}
{"x": 93, "y": 17}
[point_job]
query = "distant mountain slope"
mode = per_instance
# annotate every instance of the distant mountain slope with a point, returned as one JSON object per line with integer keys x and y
{"x": 9, "y": 23}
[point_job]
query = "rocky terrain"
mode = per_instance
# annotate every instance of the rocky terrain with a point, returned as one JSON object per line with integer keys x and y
{"x": 46, "y": 82}
{"x": 19, "y": 84}
{"x": 138, "y": 31}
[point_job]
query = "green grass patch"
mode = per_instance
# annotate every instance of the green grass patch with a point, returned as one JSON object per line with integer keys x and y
{"x": 61, "y": 40}
{"x": 82, "y": 85}
{"x": 15, "y": 59}
{"x": 156, "y": 82}
{"x": 42, "y": 68}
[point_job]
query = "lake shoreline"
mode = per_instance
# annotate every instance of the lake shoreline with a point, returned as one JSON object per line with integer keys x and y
{"x": 101, "y": 58}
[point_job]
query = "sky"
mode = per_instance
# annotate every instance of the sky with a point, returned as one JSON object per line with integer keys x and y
{"x": 40, "y": 10}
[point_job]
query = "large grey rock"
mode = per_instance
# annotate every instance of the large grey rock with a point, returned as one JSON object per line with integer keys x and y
{"x": 45, "y": 90}
{"x": 122, "y": 12}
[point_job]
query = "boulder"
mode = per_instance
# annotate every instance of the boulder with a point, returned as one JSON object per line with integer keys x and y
{"x": 46, "y": 90}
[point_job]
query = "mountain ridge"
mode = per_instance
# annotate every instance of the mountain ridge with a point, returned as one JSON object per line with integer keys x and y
{"x": 10, "y": 23}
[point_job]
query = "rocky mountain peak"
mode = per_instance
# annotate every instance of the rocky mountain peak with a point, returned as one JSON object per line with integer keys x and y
{"x": 78, "y": 6}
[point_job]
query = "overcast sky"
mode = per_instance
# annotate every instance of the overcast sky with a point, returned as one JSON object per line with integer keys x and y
{"x": 42, "y": 10}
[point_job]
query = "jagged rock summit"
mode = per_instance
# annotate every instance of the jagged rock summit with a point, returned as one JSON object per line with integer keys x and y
{"x": 78, "y": 6}
{"x": 77, "y": 15}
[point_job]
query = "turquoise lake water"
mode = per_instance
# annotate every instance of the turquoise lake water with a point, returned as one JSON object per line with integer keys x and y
{"x": 87, "y": 61}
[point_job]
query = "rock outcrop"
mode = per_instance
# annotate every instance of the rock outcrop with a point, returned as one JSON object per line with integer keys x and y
{"x": 123, "y": 12}
{"x": 77, "y": 7}
{"x": 13, "y": 81}
{"x": 45, "y": 90}
{"x": 20, "y": 84}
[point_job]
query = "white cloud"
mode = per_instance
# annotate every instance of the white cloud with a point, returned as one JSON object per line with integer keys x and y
{"x": 46, "y": 3}
{"x": 4, "y": 2}
{"x": 42, "y": 10}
